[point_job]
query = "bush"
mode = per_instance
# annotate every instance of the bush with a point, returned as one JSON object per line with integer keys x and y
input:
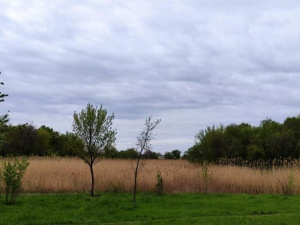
{"x": 159, "y": 184}
{"x": 12, "y": 175}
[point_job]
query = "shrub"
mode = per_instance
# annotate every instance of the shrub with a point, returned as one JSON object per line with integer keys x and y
{"x": 159, "y": 184}
{"x": 12, "y": 175}
{"x": 204, "y": 175}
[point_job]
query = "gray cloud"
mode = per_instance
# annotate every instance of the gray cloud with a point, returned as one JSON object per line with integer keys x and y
{"x": 191, "y": 63}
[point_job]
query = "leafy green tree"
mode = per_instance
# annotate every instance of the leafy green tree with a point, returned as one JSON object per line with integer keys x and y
{"x": 271, "y": 140}
{"x": 293, "y": 123}
{"x": 42, "y": 145}
{"x": 130, "y": 153}
{"x": 94, "y": 128}
{"x": 110, "y": 152}
{"x": 237, "y": 138}
{"x": 12, "y": 175}
{"x": 211, "y": 143}
{"x": 194, "y": 154}
{"x": 149, "y": 155}
{"x": 69, "y": 144}
{"x": 3, "y": 131}
{"x": 20, "y": 140}
{"x": 168, "y": 155}
{"x": 54, "y": 140}
{"x": 268, "y": 131}
{"x": 176, "y": 153}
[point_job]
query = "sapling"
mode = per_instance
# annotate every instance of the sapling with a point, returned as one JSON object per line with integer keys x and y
{"x": 12, "y": 175}
{"x": 159, "y": 184}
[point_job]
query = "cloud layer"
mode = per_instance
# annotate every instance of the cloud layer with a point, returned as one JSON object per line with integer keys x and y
{"x": 190, "y": 63}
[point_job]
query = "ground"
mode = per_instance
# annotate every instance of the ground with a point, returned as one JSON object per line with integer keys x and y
{"x": 108, "y": 208}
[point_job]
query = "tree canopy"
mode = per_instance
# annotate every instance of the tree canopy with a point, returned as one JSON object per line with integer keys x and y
{"x": 268, "y": 141}
{"x": 94, "y": 128}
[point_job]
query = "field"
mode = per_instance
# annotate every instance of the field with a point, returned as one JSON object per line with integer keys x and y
{"x": 70, "y": 175}
{"x": 193, "y": 194}
{"x": 80, "y": 209}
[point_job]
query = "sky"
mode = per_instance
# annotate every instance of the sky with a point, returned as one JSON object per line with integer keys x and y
{"x": 191, "y": 63}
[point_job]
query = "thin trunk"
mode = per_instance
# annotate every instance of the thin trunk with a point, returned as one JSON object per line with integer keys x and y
{"x": 135, "y": 183}
{"x": 135, "y": 188}
{"x": 93, "y": 180}
{"x": 135, "y": 177}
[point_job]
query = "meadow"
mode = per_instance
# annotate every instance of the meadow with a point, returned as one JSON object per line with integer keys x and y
{"x": 193, "y": 194}
{"x": 71, "y": 175}
{"x": 108, "y": 208}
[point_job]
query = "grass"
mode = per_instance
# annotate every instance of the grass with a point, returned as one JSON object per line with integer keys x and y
{"x": 185, "y": 209}
{"x": 69, "y": 175}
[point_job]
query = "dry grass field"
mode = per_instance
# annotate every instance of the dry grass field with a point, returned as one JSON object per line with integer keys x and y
{"x": 46, "y": 175}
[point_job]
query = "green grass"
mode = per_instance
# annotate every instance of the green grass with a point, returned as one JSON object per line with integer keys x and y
{"x": 150, "y": 209}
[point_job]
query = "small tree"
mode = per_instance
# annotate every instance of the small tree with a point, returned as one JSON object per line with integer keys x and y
{"x": 159, "y": 184}
{"x": 3, "y": 118}
{"x": 143, "y": 144}
{"x": 94, "y": 128}
{"x": 12, "y": 175}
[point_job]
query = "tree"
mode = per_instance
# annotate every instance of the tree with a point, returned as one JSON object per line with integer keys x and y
{"x": 94, "y": 128}
{"x": 54, "y": 140}
{"x": 293, "y": 123}
{"x": 69, "y": 144}
{"x": 176, "y": 153}
{"x": 211, "y": 142}
{"x": 12, "y": 175}
{"x": 3, "y": 118}
{"x": 110, "y": 152}
{"x": 2, "y": 95}
{"x": 130, "y": 153}
{"x": 149, "y": 155}
{"x": 168, "y": 155}
{"x": 21, "y": 140}
{"x": 143, "y": 144}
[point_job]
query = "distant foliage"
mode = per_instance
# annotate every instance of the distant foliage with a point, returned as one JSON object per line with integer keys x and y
{"x": 267, "y": 142}
{"x": 27, "y": 140}
{"x": 12, "y": 175}
{"x": 175, "y": 154}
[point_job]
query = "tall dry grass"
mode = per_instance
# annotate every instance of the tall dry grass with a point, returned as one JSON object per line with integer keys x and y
{"x": 45, "y": 175}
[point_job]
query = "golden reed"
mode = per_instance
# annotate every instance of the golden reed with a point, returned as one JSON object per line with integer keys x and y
{"x": 52, "y": 175}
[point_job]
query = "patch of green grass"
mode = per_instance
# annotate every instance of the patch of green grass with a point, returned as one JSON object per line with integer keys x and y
{"x": 151, "y": 209}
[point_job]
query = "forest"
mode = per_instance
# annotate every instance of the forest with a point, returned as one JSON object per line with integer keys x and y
{"x": 27, "y": 140}
{"x": 269, "y": 141}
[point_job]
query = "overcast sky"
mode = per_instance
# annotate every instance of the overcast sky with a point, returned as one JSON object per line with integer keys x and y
{"x": 191, "y": 63}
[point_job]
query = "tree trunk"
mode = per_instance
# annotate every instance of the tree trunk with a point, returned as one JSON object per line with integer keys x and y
{"x": 93, "y": 180}
{"x": 135, "y": 178}
{"x": 135, "y": 187}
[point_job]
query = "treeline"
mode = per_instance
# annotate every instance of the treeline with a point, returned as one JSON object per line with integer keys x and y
{"x": 26, "y": 140}
{"x": 267, "y": 142}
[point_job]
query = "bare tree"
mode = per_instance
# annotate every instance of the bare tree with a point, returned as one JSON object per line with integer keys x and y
{"x": 143, "y": 144}
{"x": 93, "y": 127}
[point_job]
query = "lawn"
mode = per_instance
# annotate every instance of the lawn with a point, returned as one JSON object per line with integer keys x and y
{"x": 185, "y": 209}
